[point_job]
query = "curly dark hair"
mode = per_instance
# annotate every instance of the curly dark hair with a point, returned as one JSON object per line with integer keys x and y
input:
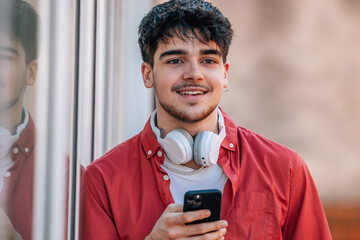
{"x": 184, "y": 19}
{"x": 20, "y": 20}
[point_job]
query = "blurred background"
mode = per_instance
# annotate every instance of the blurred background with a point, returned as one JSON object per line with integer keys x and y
{"x": 294, "y": 78}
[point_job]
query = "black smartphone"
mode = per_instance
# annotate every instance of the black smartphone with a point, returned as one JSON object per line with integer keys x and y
{"x": 204, "y": 199}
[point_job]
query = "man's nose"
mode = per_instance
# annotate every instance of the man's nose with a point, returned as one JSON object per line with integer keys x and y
{"x": 193, "y": 72}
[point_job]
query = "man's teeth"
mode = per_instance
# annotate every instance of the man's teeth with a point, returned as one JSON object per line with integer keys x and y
{"x": 191, "y": 92}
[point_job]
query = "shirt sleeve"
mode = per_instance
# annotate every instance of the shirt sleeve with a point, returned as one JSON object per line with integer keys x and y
{"x": 98, "y": 219}
{"x": 306, "y": 218}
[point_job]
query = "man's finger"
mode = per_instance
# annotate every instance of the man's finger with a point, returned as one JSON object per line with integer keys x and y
{"x": 217, "y": 235}
{"x": 188, "y": 217}
{"x": 173, "y": 207}
{"x": 203, "y": 228}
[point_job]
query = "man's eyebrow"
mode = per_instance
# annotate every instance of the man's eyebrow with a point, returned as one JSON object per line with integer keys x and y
{"x": 172, "y": 52}
{"x": 9, "y": 49}
{"x": 182, "y": 52}
{"x": 210, "y": 52}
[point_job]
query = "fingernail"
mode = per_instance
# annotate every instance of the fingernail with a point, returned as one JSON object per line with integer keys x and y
{"x": 223, "y": 231}
{"x": 224, "y": 223}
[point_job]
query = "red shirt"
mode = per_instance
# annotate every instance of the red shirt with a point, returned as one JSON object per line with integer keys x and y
{"x": 16, "y": 197}
{"x": 269, "y": 195}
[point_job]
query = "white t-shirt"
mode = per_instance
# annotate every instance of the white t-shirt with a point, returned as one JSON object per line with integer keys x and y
{"x": 212, "y": 177}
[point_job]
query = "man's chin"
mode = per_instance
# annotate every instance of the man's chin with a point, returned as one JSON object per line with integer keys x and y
{"x": 6, "y": 106}
{"x": 190, "y": 116}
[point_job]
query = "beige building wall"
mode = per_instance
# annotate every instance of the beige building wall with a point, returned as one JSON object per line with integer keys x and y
{"x": 295, "y": 78}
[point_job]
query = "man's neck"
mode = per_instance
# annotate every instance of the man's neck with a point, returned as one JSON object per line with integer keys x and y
{"x": 192, "y": 164}
{"x": 11, "y": 118}
{"x": 167, "y": 123}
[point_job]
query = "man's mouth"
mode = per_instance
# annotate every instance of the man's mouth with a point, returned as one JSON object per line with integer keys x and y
{"x": 190, "y": 92}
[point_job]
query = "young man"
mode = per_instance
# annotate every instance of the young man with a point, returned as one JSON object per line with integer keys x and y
{"x": 18, "y": 69}
{"x": 136, "y": 190}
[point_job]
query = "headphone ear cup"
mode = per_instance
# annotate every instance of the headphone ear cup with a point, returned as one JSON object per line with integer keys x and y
{"x": 187, "y": 135}
{"x": 202, "y": 148}
{"x": 178, "y": 146}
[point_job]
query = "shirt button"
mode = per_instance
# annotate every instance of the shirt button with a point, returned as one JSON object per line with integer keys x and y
{"x": 149, "y": 152}
{"x": 231, "y": 145}
{"x": 15, "y": 150}
{"x": 7, "y": 174}
{"x": 26, "y": 150}
{"x": 159, "y": 153}
{"x": 166, "y": 177}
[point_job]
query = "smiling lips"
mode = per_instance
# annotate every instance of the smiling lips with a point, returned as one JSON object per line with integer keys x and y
{"x": 191, "y": 90}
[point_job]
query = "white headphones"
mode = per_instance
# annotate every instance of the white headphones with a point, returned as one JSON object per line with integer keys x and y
{"x": 180, "y": 146}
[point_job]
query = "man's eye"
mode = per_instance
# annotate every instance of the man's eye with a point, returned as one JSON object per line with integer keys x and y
{"x": 209, "y": 61}
{"x": 174, "y": 61}
{"x": 4, "y": 57}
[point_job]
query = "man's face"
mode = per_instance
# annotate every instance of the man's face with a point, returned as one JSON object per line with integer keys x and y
{"x": 188, "y": 77}
{"x": 13, "y": 73}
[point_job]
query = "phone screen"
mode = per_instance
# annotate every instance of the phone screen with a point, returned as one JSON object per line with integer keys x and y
{"x": 204, "y": 199}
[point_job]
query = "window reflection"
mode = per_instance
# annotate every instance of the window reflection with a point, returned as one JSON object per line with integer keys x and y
{"x": 18, "y": 70}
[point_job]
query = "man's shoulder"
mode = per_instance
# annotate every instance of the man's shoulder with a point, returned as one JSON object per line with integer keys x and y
{"x": 266, "y": 150}
{"x": 249, "y": 140}
{"x": 275, "y": 161}
{"x": 258, "y": 141}
{"x": 252, "y": 142}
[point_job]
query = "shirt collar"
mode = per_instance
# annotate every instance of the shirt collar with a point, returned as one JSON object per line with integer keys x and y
{"x": 20, "y": 129}
{"x": 148, "y": 140}
{"x": 7, "y": 140}
{"x": 26, "y": 141}
{"x": 230, "y": 142}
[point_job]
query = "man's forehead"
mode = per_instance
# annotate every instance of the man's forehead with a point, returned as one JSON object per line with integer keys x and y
{"x": 186, "y": 44}
{"x": 7, "y": 43}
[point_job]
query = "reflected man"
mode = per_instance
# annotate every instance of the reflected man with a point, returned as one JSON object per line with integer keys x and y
{"x": 18, "y": 69}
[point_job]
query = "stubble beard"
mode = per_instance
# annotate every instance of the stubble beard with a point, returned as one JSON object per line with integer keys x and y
{"x": 186, "y": 116}
{"x": 6, "y": 105}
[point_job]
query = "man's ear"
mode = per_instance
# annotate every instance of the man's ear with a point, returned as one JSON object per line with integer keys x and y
{"x": 146, "y": 71}
{"x": 226, "y": 71}
{"x": 31, "y": 72}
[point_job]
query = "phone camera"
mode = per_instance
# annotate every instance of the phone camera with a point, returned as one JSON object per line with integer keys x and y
{"x": 197, "y": 198}
{"x": 194, "y": 201}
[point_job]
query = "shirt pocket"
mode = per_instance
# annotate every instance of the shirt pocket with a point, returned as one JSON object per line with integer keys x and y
{"x": 252, "y": 216}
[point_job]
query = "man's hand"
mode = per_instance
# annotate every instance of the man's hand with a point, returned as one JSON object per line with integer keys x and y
{"x": 171, "y": 225}
{"x": 7, "y": 230}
